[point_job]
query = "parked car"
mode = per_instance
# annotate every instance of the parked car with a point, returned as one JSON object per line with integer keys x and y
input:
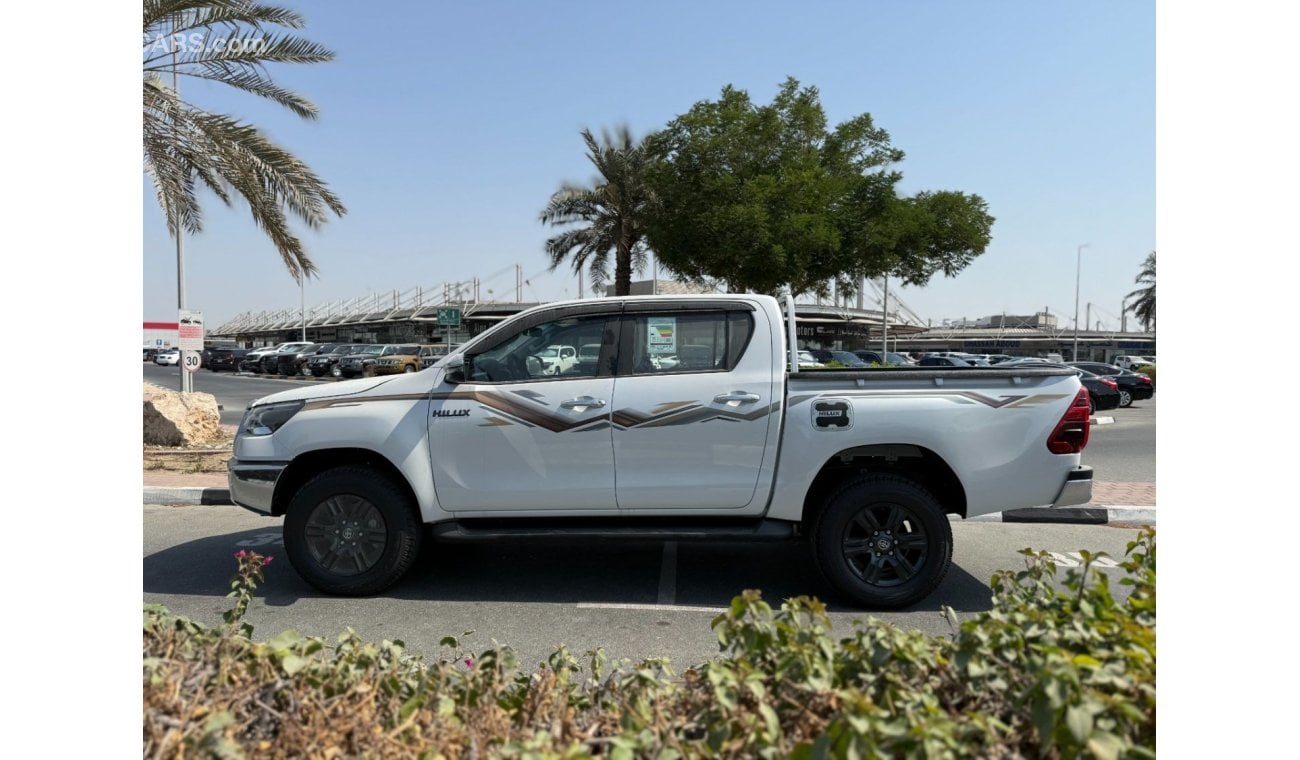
{"x": 1133, "y": 362}
{"x": 845, "y": 357}
{"x": 931, "y": 360}
{"x": 402, "y": 359}
{"x": 253, "y": 359}
{"x": 150, "y": 353}
{"x": 556, "y": 360}
{"x": 170, "y": 357}
{"x": 438, "y": 353}
{"x": 892, "y": 358}
{"x": 1103, "y": 393}
{"x": 225, "y": 359}
{"x": 322, "y": 363}
{"x": 999, "y": 358}
{"x": 808, "y": 361}
{"x": 271, "y": 361}
{"x": 365, "y": 474}
{"x": 1133, "y": 386}
{"x": 290, "y": 364}
{"x": 360, "y": 363}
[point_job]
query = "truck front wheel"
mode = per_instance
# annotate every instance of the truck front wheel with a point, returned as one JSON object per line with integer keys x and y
{"x": 351, "y": 531}
{"x": 883, "y": 541}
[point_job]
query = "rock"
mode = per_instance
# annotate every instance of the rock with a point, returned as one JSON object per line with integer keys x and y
{"x": 173, "y": 419}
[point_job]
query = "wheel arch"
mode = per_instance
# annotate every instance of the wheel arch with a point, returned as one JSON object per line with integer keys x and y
{"x": 916, "y": 463}
{"x": 309, "y": 464}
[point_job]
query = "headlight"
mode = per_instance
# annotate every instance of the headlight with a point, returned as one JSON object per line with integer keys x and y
{"x": 265, "y": 420}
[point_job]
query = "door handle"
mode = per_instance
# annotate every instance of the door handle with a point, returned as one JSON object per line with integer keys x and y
{"x": 736, "y": 398}
{"x": 582, "y": 402}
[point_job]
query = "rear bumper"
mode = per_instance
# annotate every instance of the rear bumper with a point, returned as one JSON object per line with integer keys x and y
{"x": 1077, "y": 488}
{"x": 252, "y": 484}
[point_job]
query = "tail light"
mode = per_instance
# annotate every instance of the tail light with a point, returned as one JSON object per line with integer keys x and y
{"x": 1145, "y": 379}
{"x": 1071, "y": 433}
{"x": 1110, "y": 383}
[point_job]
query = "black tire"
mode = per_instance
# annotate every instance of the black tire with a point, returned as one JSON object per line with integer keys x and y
{"x": 1092, "y": 405}
{"x": 900, "y": 537}
{"x": 408, "y": 369}
{"x": 352, "y": 502}
{"x": 1125, "y": 398}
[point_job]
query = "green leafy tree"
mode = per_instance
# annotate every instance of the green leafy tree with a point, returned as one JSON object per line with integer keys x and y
{"x": 187, "y": 147}
{"x": 765, "y": 197}
{"x": 1144, "y": 308}
{"x": 611, "y": 211}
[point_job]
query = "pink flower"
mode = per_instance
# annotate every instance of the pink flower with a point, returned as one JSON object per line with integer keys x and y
{"x": 469, "y": 662}
{"x": 240, "y": 554}
{"x": 267, "y": 560}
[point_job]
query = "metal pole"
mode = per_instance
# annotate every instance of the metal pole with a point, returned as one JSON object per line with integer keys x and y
{"x": 302, "y": 303}
{"x": 1078, "y": 272}
{"x": 187, "y": 378}
{"x": 884, "y": 322}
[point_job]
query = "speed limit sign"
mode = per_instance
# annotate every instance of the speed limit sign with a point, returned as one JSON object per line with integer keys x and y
{"x": 191, "y": 361}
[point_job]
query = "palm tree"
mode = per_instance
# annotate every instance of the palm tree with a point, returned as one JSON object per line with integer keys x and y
{"x": 613, "y": 210}
{"x": 1144, "y": 308}
{"x": 187, "y": 147}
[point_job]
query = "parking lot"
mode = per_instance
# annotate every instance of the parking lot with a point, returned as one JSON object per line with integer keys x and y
{"x": 642, "y": 599}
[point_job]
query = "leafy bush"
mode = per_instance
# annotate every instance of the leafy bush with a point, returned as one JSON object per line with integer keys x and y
{"x": 1058, "y": 667}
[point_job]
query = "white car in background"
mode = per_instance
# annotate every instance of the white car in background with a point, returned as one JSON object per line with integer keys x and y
{"x": 1133, "y": 362}
{"x": 171, "y": 357}
{"x": 556, "y": 360}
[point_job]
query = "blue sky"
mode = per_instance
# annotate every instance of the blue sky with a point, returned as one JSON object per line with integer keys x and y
{"x": 445, "y": 127}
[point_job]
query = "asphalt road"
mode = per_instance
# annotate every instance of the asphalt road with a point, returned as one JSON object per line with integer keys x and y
{"x": 233, "y": 392}
{"x": 1125, "y": 452}
{"x": 638, "y": 600}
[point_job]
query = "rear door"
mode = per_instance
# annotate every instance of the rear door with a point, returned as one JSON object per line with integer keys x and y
{"x": 694, "y": 405}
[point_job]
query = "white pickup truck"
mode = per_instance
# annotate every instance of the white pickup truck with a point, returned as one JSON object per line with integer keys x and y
{"x": 726, "y": 444}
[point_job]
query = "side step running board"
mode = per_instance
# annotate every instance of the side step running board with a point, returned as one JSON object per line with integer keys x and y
{"x": 487, "y": 530}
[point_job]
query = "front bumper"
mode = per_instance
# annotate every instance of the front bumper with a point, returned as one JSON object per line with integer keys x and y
{"x": 252, "y": 484}
{"x": 1077, "y": 488}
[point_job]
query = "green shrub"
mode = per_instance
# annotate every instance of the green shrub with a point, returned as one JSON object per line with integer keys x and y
{"x": 1057, "y": 668}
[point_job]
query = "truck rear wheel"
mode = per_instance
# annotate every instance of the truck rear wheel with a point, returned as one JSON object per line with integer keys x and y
{"x": 352, "y": 531}
{"x": 883, "y": 541}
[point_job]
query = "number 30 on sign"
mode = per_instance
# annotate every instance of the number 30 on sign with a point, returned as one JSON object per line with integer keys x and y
{"x": 191, "y": 361}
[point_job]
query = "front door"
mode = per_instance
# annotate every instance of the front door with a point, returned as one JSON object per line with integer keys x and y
{"x": 519, "y": 437}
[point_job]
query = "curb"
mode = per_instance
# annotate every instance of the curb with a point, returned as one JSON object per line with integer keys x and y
{"x": 1102, "y": 420}
{"x": 187, "y": 496}
{"x": 1099, "y": 515}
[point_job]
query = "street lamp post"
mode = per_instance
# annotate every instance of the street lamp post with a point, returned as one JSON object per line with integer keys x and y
{"x": 1078, "y": 272}
{"x": 302, "y": 304}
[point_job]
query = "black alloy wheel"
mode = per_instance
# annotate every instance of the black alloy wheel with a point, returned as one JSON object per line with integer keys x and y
{"x": 352, "y": 531}
{"x": 883, "y": 541}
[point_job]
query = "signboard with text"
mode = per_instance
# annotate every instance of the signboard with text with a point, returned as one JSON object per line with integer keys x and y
{"x": 190, "y": 330}
{"x": 449, "y": 317}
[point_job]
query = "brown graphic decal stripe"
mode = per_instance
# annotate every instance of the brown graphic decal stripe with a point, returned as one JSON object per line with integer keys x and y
{"x": 957, "y": 397}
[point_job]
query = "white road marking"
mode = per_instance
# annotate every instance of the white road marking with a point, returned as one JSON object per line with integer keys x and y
{"x": 263, "y": 539}
{"x": 668, "y": 574}
{"x": 648, "y": 607}
{"x": 1074, "y": 559}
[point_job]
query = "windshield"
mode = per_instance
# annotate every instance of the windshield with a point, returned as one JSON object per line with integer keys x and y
{"x": 403, "y": 350}
{"x": 548, "y": 352}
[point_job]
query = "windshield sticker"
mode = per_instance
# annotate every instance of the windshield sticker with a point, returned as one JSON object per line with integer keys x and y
{"x": 661, "y": 333}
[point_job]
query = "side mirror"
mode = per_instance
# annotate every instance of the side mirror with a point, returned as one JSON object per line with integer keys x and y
{"x": 455, "y": 369}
